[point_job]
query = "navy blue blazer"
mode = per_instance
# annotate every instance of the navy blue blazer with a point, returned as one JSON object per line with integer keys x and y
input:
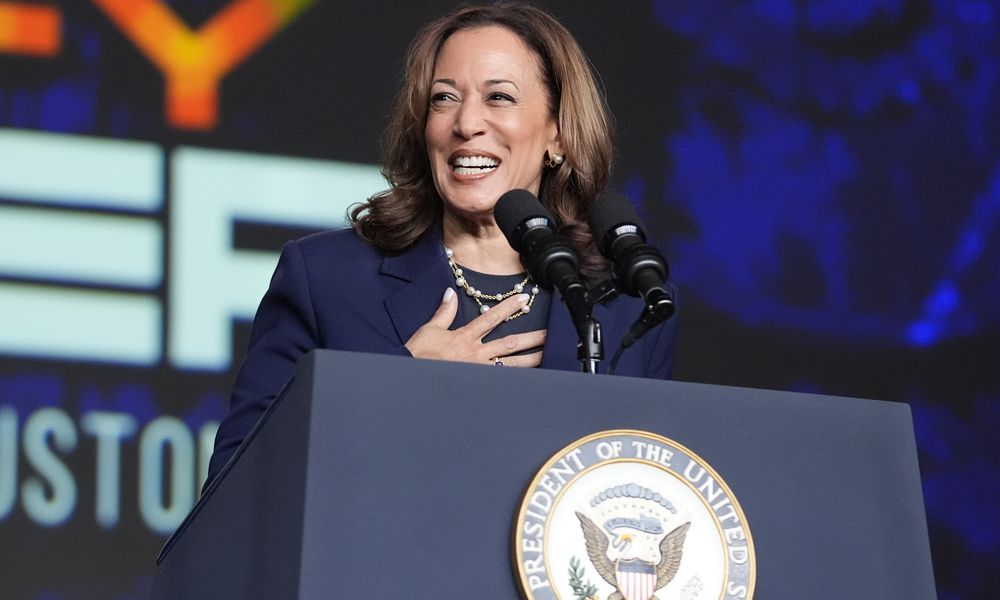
{"x": 333, "y": 290}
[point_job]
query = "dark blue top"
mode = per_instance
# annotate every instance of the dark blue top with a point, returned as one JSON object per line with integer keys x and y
{"x": 536, "y": 318}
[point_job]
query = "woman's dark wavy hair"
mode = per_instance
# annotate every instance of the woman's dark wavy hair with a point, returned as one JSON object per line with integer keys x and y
{"x": 395, "y": 219}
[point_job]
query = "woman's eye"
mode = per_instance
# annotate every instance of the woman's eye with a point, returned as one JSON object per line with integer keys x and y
{"x": 500, "y": 97}
{"x": 441, "y": 97}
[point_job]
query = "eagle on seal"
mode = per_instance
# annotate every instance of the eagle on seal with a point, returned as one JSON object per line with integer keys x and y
{"x": 633, "y": 579}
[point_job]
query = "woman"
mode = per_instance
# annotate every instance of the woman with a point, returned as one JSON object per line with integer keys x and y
{"x": 494, "y": 99}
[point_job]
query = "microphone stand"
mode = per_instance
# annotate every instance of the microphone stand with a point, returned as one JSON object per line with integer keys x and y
{"x": 590, "y": 348}
{"x": 590, "y": 343}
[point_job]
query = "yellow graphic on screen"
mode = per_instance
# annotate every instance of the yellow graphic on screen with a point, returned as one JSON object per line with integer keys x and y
{"x": 194, "y": 62}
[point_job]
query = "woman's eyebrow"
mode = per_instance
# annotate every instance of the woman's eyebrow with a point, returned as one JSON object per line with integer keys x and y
{"x": 496, "y": 81}
{"x": 451, "y": 82}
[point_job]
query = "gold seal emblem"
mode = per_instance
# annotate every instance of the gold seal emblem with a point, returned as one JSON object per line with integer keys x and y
{"x": 631, "y": 515}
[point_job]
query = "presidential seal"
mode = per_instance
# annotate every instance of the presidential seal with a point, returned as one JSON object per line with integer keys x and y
{"x": 630, "y": 515}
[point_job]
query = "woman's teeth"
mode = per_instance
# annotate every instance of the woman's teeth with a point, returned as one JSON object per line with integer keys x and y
{"x": 472, "y": 165}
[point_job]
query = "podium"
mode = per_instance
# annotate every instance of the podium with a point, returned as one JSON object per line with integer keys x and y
{"x": 386, "y": 477}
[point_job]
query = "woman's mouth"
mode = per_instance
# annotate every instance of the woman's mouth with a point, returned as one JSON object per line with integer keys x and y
{"x": 474, "y": 165}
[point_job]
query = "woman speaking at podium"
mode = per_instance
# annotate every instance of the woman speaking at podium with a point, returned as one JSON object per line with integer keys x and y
{"x": 493, "y": 99}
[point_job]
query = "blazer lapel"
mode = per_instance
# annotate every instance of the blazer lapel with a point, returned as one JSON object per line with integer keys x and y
{"x": 424, "y": 268}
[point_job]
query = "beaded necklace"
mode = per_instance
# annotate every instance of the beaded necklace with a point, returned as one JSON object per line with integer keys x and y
{"x": 479, "y": 296}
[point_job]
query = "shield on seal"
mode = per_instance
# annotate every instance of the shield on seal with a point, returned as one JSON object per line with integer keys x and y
{"x": 636, "y": 579}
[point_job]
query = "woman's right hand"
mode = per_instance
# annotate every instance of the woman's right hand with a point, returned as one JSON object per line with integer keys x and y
{"x": 435, "y": 340}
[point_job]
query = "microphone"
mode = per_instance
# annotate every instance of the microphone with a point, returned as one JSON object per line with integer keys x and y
{"x": 551, "y": 260}
{"x": 640, "y": 270}
{"x": 549, "y": 257}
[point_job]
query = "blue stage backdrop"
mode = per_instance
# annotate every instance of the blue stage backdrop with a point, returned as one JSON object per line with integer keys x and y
{"x": 824, "y": 177}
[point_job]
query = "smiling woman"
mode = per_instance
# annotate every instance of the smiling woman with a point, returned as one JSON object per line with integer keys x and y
{"x": 494, "y": 99}
{"x": 536, "y": 49}
{"x": 489, "y": 126}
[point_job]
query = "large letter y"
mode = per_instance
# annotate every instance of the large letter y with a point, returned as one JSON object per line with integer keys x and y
{"x": 194, "y": 63}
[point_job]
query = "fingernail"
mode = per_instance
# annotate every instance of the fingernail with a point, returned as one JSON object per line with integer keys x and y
{"x": 523, "y": 298}
{"x": 448, "y": 295}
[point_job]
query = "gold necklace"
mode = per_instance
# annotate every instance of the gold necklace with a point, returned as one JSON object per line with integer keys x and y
{"x": 479, "y": 296}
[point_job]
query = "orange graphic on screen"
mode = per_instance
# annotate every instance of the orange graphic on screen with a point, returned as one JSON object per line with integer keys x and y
{"x": 32, "y": 29}
{"x": 194, "y": 62}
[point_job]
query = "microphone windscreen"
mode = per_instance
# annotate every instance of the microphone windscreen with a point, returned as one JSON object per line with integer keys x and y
{"x": 610, "y": 210}
{"x": 513, "y": 209}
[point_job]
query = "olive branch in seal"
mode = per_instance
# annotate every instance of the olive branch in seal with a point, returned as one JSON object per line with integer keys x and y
{"x": 582, "y": 591}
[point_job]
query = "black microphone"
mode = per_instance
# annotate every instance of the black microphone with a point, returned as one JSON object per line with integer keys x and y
{"x": 551, "y": 260}
{"x": 549, "y": 257}
{"x": 640, "y": 270}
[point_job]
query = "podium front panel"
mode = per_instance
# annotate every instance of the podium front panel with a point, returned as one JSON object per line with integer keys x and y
{"x": 411, "y": 473}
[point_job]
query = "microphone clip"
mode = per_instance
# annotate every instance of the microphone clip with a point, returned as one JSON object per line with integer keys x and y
{"x": 603, "y": 292}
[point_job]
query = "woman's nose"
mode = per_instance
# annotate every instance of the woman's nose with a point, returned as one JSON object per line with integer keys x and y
{"x": 470, "y": 120}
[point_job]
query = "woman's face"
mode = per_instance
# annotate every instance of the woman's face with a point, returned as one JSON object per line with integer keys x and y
{"x": 489, "y": 123}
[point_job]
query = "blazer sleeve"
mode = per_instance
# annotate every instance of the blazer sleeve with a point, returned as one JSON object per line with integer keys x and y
{"x": 284, "y": 329}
